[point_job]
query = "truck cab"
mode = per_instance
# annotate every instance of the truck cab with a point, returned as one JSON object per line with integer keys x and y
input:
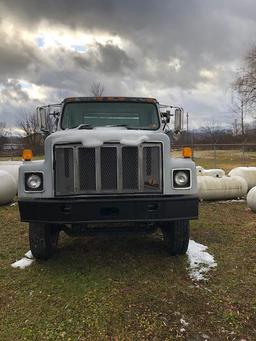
{"x": 108, "y": 169}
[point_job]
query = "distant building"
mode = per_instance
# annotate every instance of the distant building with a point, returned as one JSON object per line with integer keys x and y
{"x": 12, "y": 149}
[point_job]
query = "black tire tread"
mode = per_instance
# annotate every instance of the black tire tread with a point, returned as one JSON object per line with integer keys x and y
{"x": 43, "y": 240}
{"x": 176, "y": 235}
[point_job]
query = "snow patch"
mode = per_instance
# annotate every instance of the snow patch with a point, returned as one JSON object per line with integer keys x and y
{"x": 29, "y": 255}
{"x": 200, "y": 261}
{"x": 183, "y": 322}
{"x": 24, "y": 262}
{"x": 97, "y": 136}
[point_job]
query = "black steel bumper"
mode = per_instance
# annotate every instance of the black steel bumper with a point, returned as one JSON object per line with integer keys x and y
{"x": 109, "y": 209}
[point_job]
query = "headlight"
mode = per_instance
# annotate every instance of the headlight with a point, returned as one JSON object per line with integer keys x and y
{"x": 181, "y": 178}
{"x": 33, "y": 181}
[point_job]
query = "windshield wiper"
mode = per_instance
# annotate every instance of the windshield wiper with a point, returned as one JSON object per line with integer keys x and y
{"x": 84, "y": 126}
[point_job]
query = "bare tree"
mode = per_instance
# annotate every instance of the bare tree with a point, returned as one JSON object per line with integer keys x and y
{"x": 3, "y": 134}
{"x": 239, "y": 108}
{"x": 29, "y": 125}
{"x": 212, "y": 130}
{"x": 245, "y": 84}
{"x": 2, "y": 129}
{"x": 96, "y": 89}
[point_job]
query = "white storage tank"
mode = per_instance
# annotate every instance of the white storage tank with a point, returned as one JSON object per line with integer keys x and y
{"x": 251, "y": 199}
{"x": 248, "y": 173}
{"x": 199, "y": 170}
{"x": 211, "y": 188}
{"x": 11, "y": 167}
{"x": 216, "y": 172}
{"x": 8, "y": 187}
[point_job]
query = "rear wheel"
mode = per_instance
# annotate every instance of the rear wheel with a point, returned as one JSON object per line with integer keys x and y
{"x": 176, "y": 236}
{"x": 43, "y": 239}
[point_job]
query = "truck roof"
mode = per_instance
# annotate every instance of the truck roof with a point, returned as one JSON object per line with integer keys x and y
{"x": 110, "y": 99}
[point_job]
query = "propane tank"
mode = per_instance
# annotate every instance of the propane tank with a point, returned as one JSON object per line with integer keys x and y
{"x": 251, "y": 199}
{"x": 199, "y": 170}
{"x": 11, "y": 167}
{"x": 8, "y": 187}
{"x": 248, "y": 173}
{"x": 211, "y": 188}
{"x": 217, "y": 172}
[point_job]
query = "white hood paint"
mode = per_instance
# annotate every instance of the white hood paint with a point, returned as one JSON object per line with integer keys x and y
{"x": 97, "y": 136}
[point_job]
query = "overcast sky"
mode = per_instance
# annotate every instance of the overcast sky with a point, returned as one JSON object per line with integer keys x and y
{"x": 182, "y": 52}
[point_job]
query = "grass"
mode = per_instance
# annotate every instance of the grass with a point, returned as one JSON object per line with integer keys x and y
{"x": 129, "y": 288}
{"x": 225, "y": 159}
{"x": 19, "y": 158}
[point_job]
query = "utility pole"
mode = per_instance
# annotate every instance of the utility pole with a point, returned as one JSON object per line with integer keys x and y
{"x": 187, "y": 126}
{"x": 242, "y": 116}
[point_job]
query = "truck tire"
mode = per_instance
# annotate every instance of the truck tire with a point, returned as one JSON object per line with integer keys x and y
{"x": 176, "y": 236}
{"x": 43, "y": 240}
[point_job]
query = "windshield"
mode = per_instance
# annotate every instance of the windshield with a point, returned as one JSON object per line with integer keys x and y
{"x": 101, "y": 114}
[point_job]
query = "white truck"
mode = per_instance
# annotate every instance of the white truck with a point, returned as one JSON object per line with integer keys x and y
{"x": 108, "y": 169}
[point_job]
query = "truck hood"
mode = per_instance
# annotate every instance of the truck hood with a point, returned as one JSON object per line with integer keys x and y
{"x": 97, "y": 136}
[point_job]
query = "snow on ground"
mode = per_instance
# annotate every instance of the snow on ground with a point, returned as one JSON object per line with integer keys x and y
{"x": 200, "y": 261}
{"x": 229, "y": 201}
{"x": 29, "y": 255}
{"x": 183, "y": 322}
{"x": 24, "y": 262}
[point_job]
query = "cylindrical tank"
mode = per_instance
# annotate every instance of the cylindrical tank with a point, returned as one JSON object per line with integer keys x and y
{"x": 251, "y": 199}
{"x": 199, "y": 170}
{"x": 12, "y": 169}
{"x": 211, "y": 188}
{"x": 217, "y": 172}
{"x": 248, "y": 173}
{"x": 8, "y": 187}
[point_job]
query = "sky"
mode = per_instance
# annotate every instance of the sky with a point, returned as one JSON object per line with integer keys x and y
{"x": 184, "y": 53}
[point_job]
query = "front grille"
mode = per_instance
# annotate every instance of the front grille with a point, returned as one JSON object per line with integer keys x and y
{"x": 111, "y": 168}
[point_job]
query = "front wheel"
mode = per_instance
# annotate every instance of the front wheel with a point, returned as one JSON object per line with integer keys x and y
{"x": 43, "y": 240}
{"x": 176, "y": 236}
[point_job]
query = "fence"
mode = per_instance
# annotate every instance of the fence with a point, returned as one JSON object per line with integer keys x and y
{"x": 226, "y": 156}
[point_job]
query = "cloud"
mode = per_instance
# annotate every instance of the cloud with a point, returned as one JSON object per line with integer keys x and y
{"x": 109, "y": 59}
{"x": 182, "y": 51}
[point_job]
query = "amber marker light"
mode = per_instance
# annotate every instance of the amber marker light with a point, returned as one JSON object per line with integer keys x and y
{"x": 27, "y": 155}
{"x": 187, "y": 152}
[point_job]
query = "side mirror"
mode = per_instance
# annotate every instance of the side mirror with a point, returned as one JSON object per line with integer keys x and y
{"x": 47, "y": 118}
{"x": 178, "y": 120}
{"x": 166, "y": 116}
{"x": 42, "y": 117}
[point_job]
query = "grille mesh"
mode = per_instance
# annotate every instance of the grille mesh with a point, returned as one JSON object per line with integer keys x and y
{"x": 108, "y": 160}
{"x": 130, "y": 168}
{"x": 87, "y": 169}
{"x": 64, "y": 170}
{"x": 112, "y": 167}
{"x": 151, "y": 169}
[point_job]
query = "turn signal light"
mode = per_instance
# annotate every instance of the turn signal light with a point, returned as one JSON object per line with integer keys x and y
{"x": 27, "y": 155}
{"x": 187, "y": 152}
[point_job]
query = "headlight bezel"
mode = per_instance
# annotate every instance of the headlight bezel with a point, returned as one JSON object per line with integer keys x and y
{"x": 188, "y": 173}
{"x": 27, "y": 175}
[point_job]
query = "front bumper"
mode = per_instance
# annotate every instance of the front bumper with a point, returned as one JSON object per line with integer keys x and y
{"x": 109, "y": 209}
